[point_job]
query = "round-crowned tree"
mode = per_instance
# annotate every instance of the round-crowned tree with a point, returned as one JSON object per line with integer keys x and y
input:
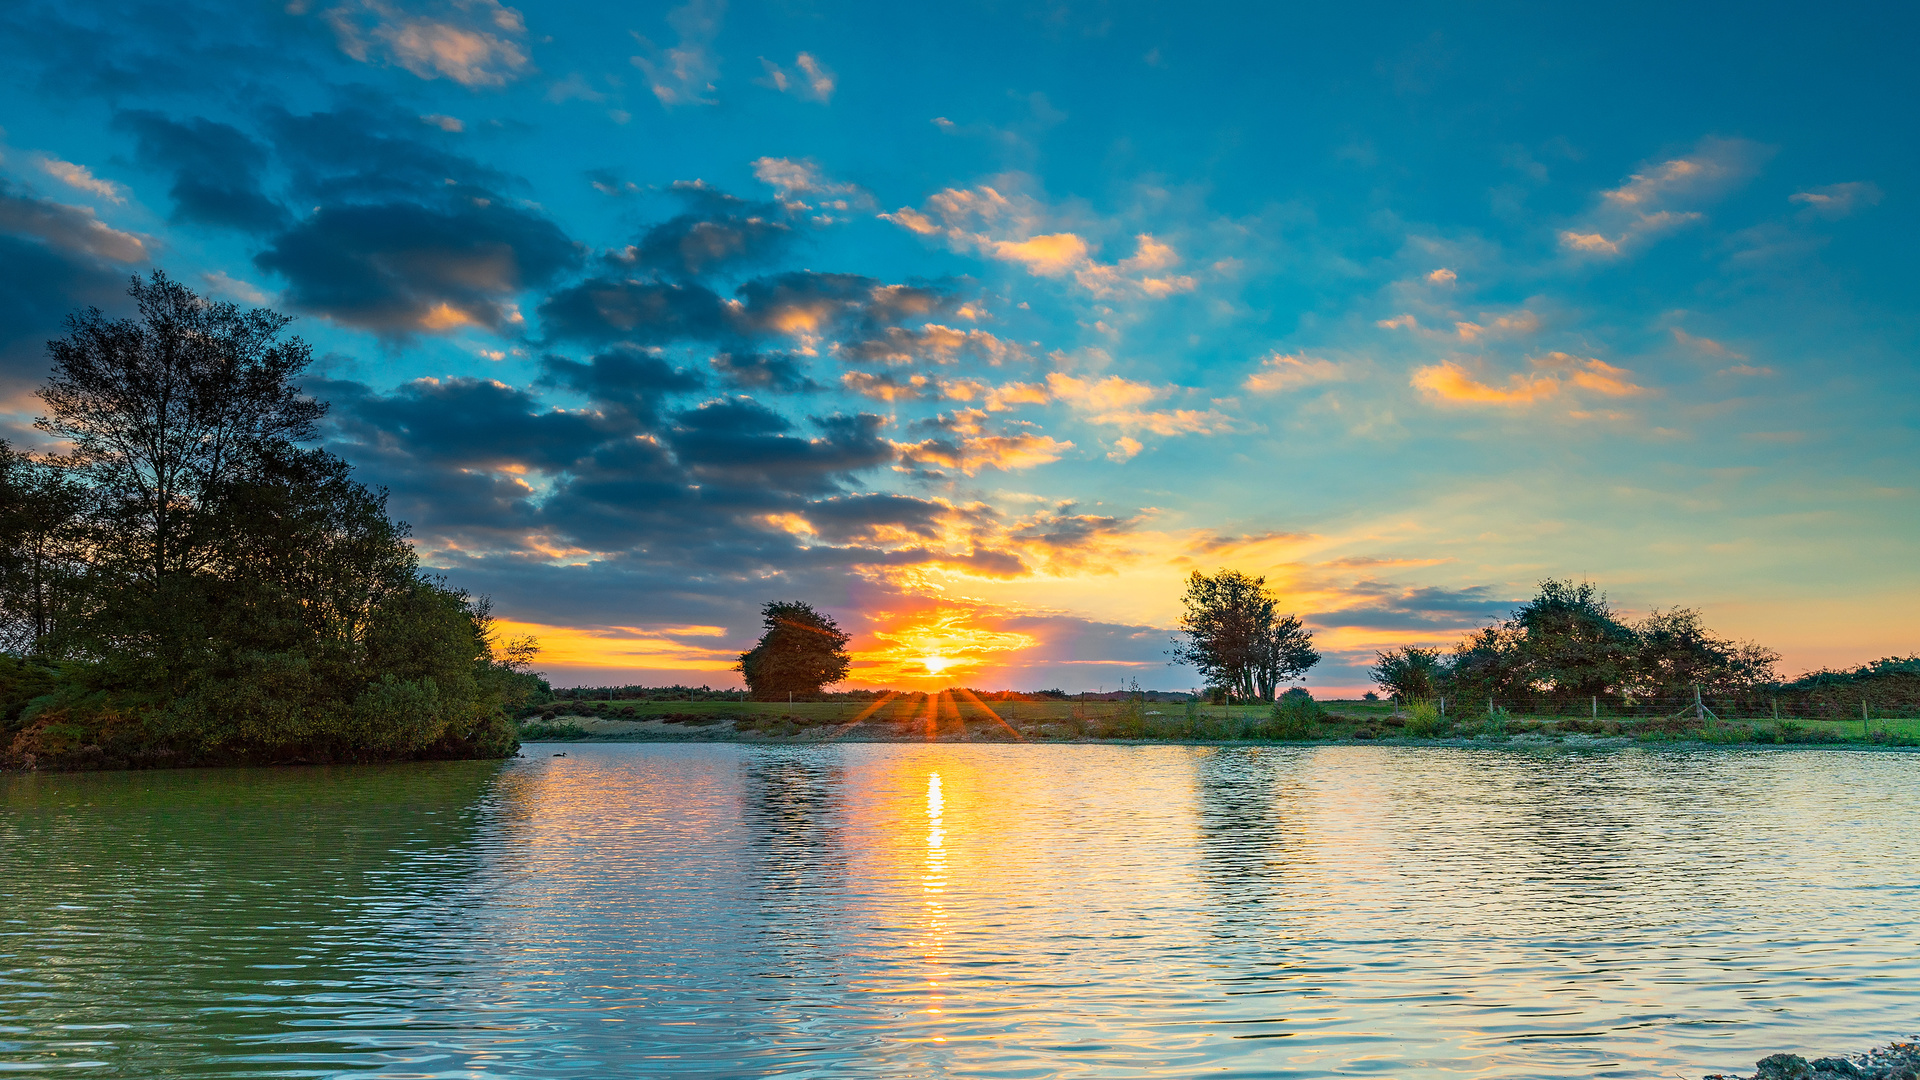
{"x": 801, "y": 651}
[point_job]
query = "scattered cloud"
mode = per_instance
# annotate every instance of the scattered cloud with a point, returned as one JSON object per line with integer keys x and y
{"x": 217, "y": 170}
{"x": 1289, "y": 371}
{"x": 1705, "y": 346}
{"x": 810, "y": 80}
{"x": 449, "y": 124}
{"x": 71, "y": 229}
{"x": 685, "y": 73}
{"x": 1451, "y": 382}
{"x": 80, "y": 178}
{"x": 1662, "y": 197}
{"x": 476, "y": 43}
{"x": 797, "y": 181}
{"x": 1118, "y": 402}
{"x": 1012, "y": 229}
{"x": 224, "y": 284}
{"x": 1837, "y": 200}
{"x": 970, "y": 454}
{"x": 1442, "y": 276}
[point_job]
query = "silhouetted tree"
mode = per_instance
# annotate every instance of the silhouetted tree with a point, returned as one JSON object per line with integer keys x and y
{"x": 801, "y": 651}
{"x": 1236, "y": 637}
{"x": 1410, "y": 673}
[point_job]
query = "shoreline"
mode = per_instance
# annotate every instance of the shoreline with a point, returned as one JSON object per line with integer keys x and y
{"x": 1894, "y": 1061}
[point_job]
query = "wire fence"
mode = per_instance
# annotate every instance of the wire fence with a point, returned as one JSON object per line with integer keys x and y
{"x": 1703, "y": 706}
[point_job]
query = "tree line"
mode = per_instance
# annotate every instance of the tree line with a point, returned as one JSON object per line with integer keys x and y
{"x": 1567, "y": 645}
{"x": 189, "y": 581}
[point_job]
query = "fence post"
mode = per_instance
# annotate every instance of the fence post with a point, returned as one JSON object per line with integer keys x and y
{"x": 1699, "y": 707}
{"x": 1489, "y": 705}
{"x": 1596, "y": 706}
{"x": 1866, "y": 729}
{"x": 1443, "y": 706}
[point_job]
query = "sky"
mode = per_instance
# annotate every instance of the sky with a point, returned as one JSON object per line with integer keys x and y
{"x": 981, "y": 326}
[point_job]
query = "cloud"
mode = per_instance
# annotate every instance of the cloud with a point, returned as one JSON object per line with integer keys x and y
{"x": 739, "y": 441}
{"x": 970, "y": 454}
{"x": 929, "y": 343}
{"x": 224, "y": 284}
{"x": 1125, "y": 449}
{"x": 80, "y": 178}
{"x": 1282, "y": 371}
{"x": 1451, "y": 383}
{"x": 1837, "y": 200}
{"x": 449, "y": 124}
{"x": 404, "y": 268}
{"x": 1011, "y": 229}
{"x": 685, "y": 73}
{"x": 1442, "y": 276}
{"x": 792, "y": 179}
{"x": 1661, "y": 197}
{"x": 476, "y": 43}
{"x": 73, "y": 230}
{"x": 812, "y": 81}
{"x": 723, "y": 235}
{"x": 643, "y": 312}
{"x": 1705, "y": 346}
{"x": 633, "y": 382}
{"x": 1117, "y": 402}
{"x": 216, "y": 169}
{"x": 781, "y": 372}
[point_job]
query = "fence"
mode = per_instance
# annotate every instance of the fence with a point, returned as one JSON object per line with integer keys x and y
{"x": 1701, "y": 705}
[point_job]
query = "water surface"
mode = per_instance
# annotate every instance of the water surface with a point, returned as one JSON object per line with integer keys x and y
{"x": 955, "y": 910}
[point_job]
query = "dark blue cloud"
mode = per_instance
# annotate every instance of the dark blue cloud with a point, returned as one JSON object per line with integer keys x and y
{"x": 407, "y": 267}
{"x": 642, "y": 312}
{"x": 633, "y": 382}
{"x": 783, "y": 372}
{"x": 217, "y": 170}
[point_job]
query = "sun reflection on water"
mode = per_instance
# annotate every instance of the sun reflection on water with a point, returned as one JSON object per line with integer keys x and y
{"x": 933, "y": 885}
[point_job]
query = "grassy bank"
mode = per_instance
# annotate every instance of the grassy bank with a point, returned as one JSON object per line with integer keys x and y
{"x": 947, "y": 717}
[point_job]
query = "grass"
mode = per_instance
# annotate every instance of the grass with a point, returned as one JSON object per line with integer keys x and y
{"x": 950, "y": 716}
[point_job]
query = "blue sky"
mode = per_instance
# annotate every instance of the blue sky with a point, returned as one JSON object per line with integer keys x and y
{"x": 980, "y": 326}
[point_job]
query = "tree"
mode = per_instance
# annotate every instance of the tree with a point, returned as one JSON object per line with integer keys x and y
{"x": 1674, "y": 651}
{"x": 1283, "y": 653}
{"x": 228, "y": 594}
{"x": 165, "y": 410}
{"x": 1571, "y": 643}
{"x": 1410, "y": 673}
{"x": 1236, "y": 638}
{"x": 801, "y": 651}
{"x": 40, "y": 507}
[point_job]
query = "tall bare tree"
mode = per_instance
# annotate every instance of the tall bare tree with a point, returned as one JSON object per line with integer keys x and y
{"x": 165, "y": 410}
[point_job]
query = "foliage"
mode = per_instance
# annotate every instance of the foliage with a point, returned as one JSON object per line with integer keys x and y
{"x": 801, "y": 651}
{"x": 1295, "y": 716}
{"x": 1566, "y": 646}
{"x": 1423, "y": 721}
{"x": 1236, "y": 637}
{"x": 1408, "y": 673}
{"x": 222, "y": 594}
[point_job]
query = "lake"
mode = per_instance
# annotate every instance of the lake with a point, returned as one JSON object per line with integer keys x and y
{"x": 964, "y": 910}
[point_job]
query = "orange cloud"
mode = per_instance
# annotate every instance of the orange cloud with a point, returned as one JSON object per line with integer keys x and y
{"x": 1008, "y": 453}
{"x": 622, "y": 646}
{"x": 1449, "y": 382}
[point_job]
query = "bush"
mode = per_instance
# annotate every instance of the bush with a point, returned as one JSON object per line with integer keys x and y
{"x": 1295, "y": 716}
{"x": 1423, "y": 721}
{"x": 543, "y": 731}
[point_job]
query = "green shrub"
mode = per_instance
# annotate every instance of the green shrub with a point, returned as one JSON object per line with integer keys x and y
{"x": 1423, "y": 721}
{"x": 1295, "y": 716}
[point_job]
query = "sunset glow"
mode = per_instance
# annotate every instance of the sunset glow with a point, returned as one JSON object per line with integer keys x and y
{"x": 983, "y": 365}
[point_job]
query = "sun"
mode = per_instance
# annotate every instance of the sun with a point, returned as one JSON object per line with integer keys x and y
{"x": 937, "y": 664}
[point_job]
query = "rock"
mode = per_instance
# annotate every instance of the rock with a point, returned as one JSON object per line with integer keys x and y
{"x": 1839, "y": 1067}
{"x": 1783, "y": 1067}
